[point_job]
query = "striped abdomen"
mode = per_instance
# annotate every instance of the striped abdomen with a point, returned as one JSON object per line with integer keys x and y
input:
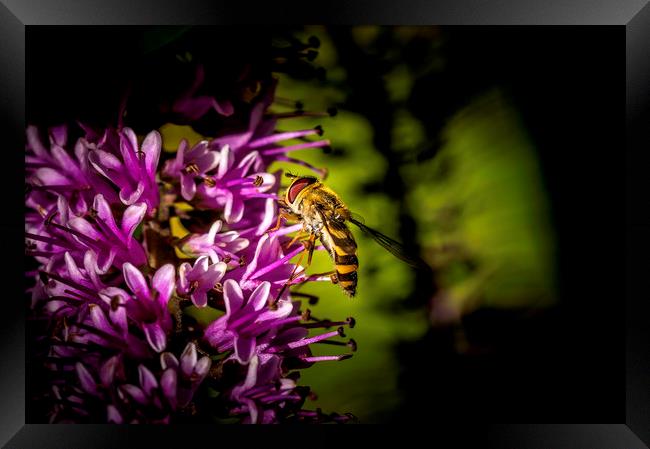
{"x": 346, "y": 271}
{"x": 341, "y": 245}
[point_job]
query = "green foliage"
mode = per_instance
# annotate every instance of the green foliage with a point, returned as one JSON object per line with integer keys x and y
{"x": 480, "y": 210}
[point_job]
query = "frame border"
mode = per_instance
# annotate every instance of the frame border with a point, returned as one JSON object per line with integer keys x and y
{"x": 633, "y": 14}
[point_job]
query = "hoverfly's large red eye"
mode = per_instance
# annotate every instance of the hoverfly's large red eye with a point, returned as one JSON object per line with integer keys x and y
{"x": 297, "y": 187}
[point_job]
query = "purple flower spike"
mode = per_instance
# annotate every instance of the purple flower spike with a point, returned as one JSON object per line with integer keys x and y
{"x": 113, "y": 244}
{"x": 234, "y": 184}
{"x": 196, "y": 281}
{"x": 269, "y": 264}
{"x": 180, "y": 380}
{"x": 149, "y": 308}
{"x": 214, "y": 244}
{"x": 135, "y": 173}
{"x": 191, "y": 164}
{"x": 57, "y": 172}
{"x": 262, "y": 390}
{"x": 103, "y": 296}
{"x": 245, "y": 320}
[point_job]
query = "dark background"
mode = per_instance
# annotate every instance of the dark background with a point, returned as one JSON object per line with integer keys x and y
{"x": 565, "y": 365}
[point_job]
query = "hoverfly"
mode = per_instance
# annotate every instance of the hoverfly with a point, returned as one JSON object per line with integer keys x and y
{"x": 324, "y": 217}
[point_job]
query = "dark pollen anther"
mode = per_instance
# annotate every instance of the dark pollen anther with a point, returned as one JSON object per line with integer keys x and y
{"x": 258, "y": 181}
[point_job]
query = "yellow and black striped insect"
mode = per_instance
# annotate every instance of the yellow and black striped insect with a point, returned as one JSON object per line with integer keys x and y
{"x": 324, "y": 216}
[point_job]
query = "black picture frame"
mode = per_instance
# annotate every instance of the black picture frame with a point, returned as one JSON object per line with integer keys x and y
{"x": 634, "y": 16}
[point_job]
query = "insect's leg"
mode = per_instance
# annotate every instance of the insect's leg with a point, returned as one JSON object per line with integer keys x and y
{"x": 331, "y": 274}
{"x": 309, "y": 248}
{"x": 287, "y": 215}
{"x": 293, "y": 273}
{"x": 312, "y": 245}
{"x": 277, "y": 224}
{"x": 299, "y": 235}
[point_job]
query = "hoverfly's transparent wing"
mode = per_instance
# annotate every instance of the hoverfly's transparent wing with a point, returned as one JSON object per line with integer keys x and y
{"x": 393, "y": 246}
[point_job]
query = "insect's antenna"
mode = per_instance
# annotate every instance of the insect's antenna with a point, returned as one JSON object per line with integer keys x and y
{"x": 290, "y": 175}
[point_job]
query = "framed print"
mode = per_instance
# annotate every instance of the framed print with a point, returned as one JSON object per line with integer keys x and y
{"x": 429, "y": 218}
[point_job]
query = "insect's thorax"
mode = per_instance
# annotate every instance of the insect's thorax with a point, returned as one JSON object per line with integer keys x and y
{"x": 317, "y": 203}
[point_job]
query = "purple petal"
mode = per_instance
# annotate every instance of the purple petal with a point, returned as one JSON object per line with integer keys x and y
{"x": 58, "y": 135}
{"x": 66, "y": 162}
{"x": 224, "y": 107}
{"x": 260, "y": 296}
{"x": 208, "y": 161}
{"x": 234, "y": 209}
{"x": 52, "y": 177}
{"x": 214, "y": 229}
{"x": 88, "y": 384}
{"x": 113, "y": 415}
{"x": 202, "y": 367}
{"x": 151, "y": 149}
{"x": 245, "y": 164}
{"x": 128, "y": 149}
{"x": 34, "y": 142}
{"x": 268, "y": 218}
{"x": 188, "y": 186}
{"x": 128, "y": 195}
{"x": 168, "y": 382}
{"x": 214, "y": 273}
{"x": 136, "y": 393}
{"x": 148, "y": 381}
{"x": 156, "y": 336}
{"x": 83, "y": 227}
{"x": 107, "y": 371}
{"x": 244, "y": 348}
{"x": 163, "y": 283}
{"x": 201, "y": 264}
{"x": 73, "y": 270}
{"x": 283, "y": 310}
{"x": 92, "y": 269}
{"x": 225, "y": 161}
{"x": 252, "y": 409}
{"x": 269, "y": 371}
{"x": 136, "y": 281}
{"x": 99, "y": 318}
{"x": 180, "y": 153}
{"x": 104, "y": 213}
{"x": 233, "y": 296}
{"x": 168, "y": 360}
{"x": 183, "y": 286}
{"x": 118, "y": 318}
{"x": 105, "y": 259}
{"x": 105, "y": 163}
{"x": 251, "y": 376}
{"x": 199, "y": 298}
{"x": 188, "y": 359}
{"x": 132, "y": 218}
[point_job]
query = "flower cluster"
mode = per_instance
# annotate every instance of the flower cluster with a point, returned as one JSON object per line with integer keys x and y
{"x": 119, "y": 287}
